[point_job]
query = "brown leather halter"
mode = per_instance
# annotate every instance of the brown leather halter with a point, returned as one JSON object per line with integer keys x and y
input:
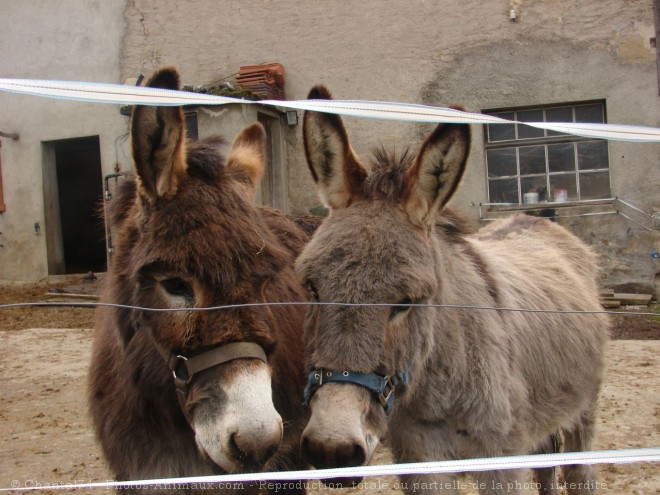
{"x": 185, "y": 368}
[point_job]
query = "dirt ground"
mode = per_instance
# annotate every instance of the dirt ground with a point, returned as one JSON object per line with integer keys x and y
{"x": 46, "y": 437}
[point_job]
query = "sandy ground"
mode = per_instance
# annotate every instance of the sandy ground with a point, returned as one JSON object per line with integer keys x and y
{"x": 46, "y": 436}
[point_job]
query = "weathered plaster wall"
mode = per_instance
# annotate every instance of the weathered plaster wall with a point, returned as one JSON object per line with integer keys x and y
{"x": 550, "y": 68}
{"x": 41, "y": 39}
{"x": 464, "y": 52}
{"x": 229, "y": 121}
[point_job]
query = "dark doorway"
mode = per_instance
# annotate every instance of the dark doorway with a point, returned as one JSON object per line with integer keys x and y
{"x": 73, "y": 188}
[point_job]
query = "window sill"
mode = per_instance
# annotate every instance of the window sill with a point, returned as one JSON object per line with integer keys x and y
{"x": 492, "y": 211}
{"x": 545, "y": 205}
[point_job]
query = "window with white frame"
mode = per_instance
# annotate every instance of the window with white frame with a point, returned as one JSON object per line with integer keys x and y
{"x": 529, "y": 165}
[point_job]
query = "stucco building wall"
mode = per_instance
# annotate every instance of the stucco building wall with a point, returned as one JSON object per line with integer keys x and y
{"x": 466, "y": 52}
{"x": 67, "y": 40}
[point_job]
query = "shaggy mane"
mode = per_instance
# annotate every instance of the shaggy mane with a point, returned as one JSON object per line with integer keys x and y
{"x": 385, "y": 180}
{"x": 204, "y": 158}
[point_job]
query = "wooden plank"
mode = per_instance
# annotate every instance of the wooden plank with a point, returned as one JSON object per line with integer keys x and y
{"x": 633, "y": 299}
{"x": 69, "y": 295}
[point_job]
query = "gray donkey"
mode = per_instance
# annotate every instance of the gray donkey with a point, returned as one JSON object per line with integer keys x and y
{"x": 468, "y": 383}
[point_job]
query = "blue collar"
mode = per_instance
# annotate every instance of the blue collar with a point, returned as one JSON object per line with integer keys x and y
{"x": 381, "y": 386}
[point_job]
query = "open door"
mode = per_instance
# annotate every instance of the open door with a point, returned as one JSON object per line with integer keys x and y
{"x": 73, "y": 194}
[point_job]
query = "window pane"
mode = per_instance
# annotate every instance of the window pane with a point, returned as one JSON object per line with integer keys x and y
{"x": 501, "y": 162}
{"x": 589, "y": 113}
{"x": 592, "y": 155}
{"x": 532, "y": 160}
{"x": 502, "y": 132}
{"x": 561, "y": 157}
{"x": 557, "y": 166}
{"x": 563, "y": 184}
{"x": 536, "y": 184}
{"x": 595, "y": 185}
{"x": 503, "y": 191}
{"x": 526, "y": 132}
{"x": 562, "y": 114}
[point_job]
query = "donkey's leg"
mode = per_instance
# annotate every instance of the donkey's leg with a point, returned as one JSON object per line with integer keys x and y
{"x": 580, "y": 479}
{"x": 546, "y": 477}
{"x": 445, "y": 484}
{"x": 509, "y": 482}
{"x": 414, "y": 442}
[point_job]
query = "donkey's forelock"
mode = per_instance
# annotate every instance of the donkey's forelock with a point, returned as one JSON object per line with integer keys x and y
{"x": 386, "y": 180}
{"x": 204, "y": 158}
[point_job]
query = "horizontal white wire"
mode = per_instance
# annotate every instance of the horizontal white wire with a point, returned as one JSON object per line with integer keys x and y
{"x": 139, "y": 95}
{"x": 311, "y": 303}
{"x": 625, "y": 456}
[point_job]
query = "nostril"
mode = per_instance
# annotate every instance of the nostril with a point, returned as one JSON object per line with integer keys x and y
{"x": 352, "y": 454}
{"x": 318, "y": 454}
{"x": 235, "y": 450}
{"x": 326, "y": 455}
{"x": 321, "y": 455}
{"x": 307, "y": 452}
{"x": 268, "y": 453}
{"x": 253, "y": 452}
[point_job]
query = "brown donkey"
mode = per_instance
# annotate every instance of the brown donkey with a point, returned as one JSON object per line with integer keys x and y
{"x": 443, "y": 383}
{"x": 189, "y": 236}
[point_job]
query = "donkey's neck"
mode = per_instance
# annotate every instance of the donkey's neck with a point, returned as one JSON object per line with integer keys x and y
{"x": 465, "y": 348}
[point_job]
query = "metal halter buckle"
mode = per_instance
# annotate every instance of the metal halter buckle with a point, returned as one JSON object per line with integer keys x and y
{"x": 388, "y": 390}
{"x": 175, "y": 365}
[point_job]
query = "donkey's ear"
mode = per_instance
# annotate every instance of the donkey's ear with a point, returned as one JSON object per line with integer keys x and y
{"x": 248, "y": 155}
{"x": 158, "y": 135}
{"x": 437, "y": 171}
{"x": 334, "y": 166}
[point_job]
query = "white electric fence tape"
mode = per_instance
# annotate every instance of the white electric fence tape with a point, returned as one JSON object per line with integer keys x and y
{"x": 281, "y": 478}
{"x": 138, "y": 95}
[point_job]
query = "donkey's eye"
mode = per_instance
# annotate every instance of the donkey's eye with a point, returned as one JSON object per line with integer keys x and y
{"x": 400, "y": 308}
{"x": 313, "y": 293}
{"x": 178, "y": 287}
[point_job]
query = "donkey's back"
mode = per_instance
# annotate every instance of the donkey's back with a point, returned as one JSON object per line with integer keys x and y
{"x": 542, "y": 248}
